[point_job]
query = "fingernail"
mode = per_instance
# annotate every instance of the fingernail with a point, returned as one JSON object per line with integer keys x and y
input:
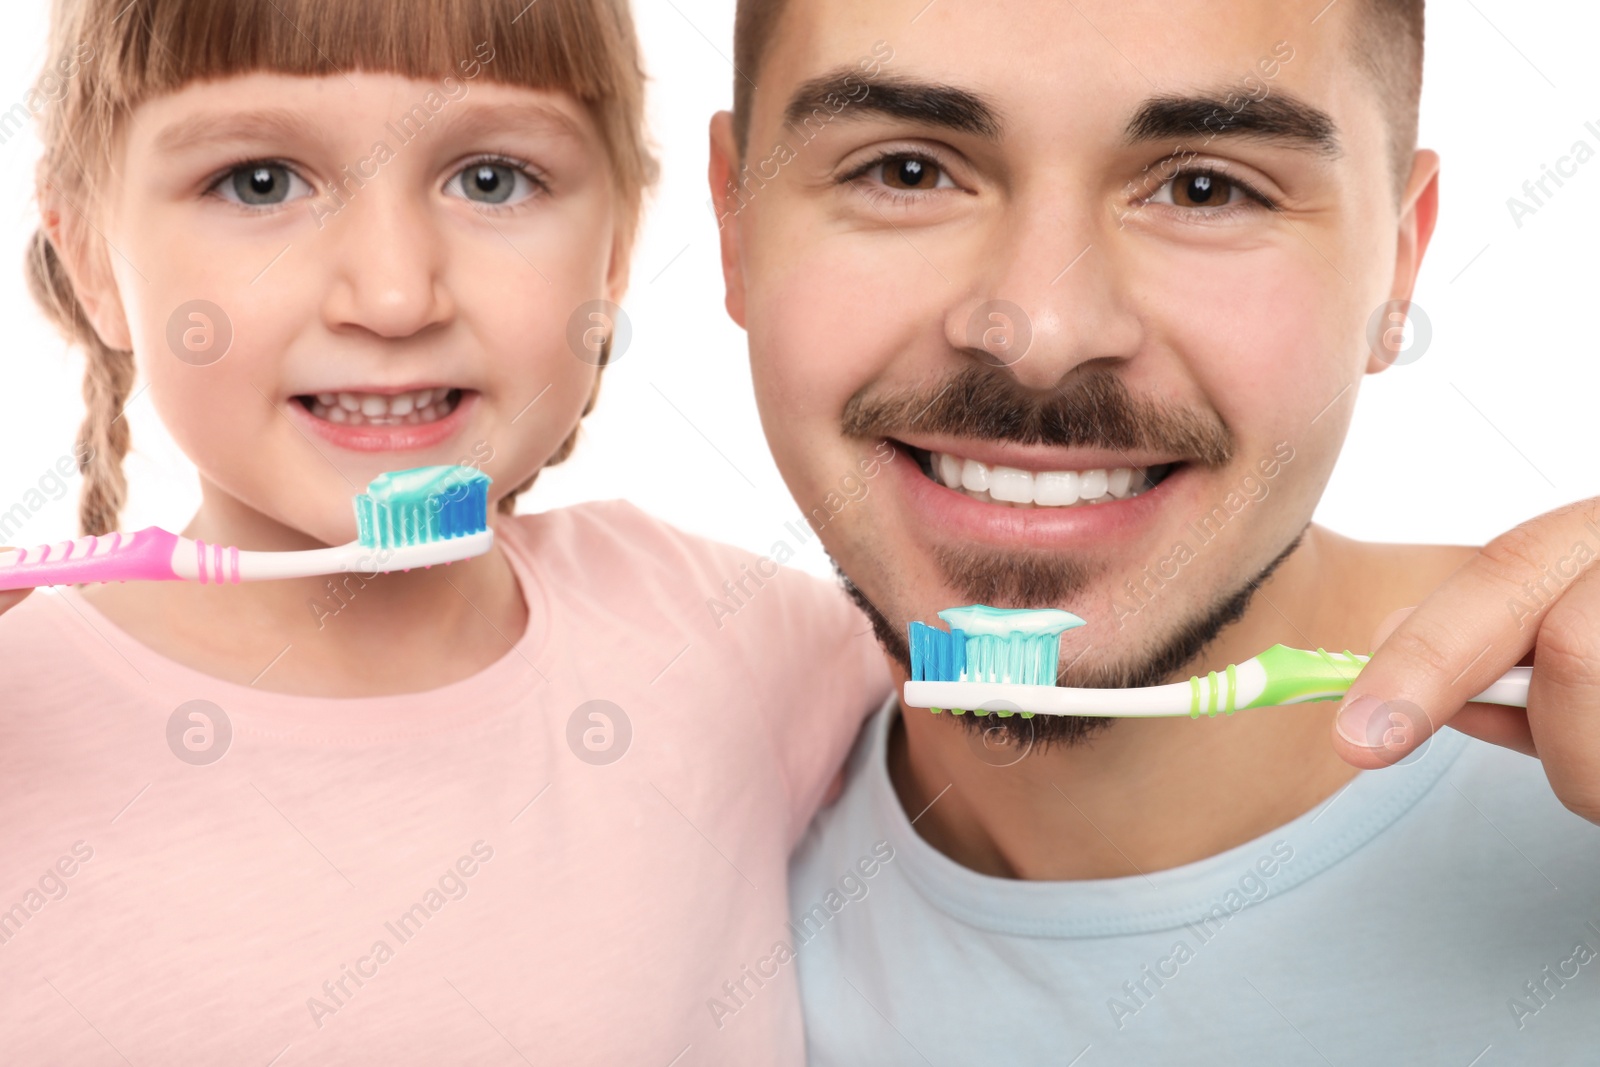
{"x": 1383, "y": 725}
{"x": 1362, "y": 722}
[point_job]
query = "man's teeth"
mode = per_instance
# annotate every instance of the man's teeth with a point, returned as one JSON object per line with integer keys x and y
{"x": 1050, "y": 489}
{"x": 378, "y": 409}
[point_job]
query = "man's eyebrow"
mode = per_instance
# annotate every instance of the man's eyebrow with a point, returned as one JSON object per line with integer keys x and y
{"x": 1280, "y": 117}
{"x": 922, "y": 102}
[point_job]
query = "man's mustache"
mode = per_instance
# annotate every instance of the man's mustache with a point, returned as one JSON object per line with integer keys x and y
{"x": 1094, "y": 410}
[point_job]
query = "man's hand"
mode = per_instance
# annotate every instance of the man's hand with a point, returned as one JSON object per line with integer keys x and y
{"x": 1530, "y": 596}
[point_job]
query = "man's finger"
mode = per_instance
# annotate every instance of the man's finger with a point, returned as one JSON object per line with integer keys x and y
{"x": 1498, "y": 725}
{"x": 1494, "y": 723}
{"x": 1564, "y": 696}
{"x": 1390, "y": 623}
{"x": 1463, "y": 636}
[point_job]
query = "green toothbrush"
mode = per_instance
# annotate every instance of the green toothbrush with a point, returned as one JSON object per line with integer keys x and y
{"x": 1000, "y": 661}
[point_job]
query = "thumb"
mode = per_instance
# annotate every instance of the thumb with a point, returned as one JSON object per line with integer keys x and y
{"x": 1354, "y": 722}
{"x": 1391, "y": 622}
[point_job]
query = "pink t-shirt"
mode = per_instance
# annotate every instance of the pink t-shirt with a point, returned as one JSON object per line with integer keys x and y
{"x": 469, "y": 875}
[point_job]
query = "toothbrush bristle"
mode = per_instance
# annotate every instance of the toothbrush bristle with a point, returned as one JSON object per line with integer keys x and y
{"x": 1023, "y": 659}
{"x": 937, "y": 656}
{"x": 423, "y": 505}
{"x": 1003, "y": 646}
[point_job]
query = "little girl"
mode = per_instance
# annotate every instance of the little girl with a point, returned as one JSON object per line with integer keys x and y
{"x": 533, "y": 807}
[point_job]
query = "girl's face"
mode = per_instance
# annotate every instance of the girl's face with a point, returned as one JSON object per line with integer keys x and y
{"x": 327, "y": 278}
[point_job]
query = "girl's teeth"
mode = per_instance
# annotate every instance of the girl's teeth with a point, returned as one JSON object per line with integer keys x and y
{"x": 1026, "y": 489}
{"x": 377, "y": 409}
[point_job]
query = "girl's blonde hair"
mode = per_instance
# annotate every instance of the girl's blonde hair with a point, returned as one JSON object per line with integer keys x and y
{"x": 108, "y": 56}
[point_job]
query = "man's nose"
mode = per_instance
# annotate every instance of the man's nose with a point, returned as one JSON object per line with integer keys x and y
{"x": 1048, "y": 292}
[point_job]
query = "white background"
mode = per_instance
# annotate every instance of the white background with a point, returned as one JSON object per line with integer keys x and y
{"x": 1491, "y": 426}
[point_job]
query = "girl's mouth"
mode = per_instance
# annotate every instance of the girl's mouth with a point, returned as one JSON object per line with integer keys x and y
{"x": 414, "y": 408}
{"x": 414, "y": 420}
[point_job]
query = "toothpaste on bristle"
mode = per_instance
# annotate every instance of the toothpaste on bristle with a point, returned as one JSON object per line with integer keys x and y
{"x": 1019, "y": 645}
{"x": 980, "y": 620}
{"x": 421, "y": 505}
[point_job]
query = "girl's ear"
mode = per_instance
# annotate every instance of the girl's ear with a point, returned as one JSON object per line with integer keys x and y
{"x": 726, "y": 202}
{"x": 617, "y": 273}
{"x": 84, "y": 253}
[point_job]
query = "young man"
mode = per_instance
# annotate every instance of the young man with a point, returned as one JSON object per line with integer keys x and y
{"x": 1062, "y": 252}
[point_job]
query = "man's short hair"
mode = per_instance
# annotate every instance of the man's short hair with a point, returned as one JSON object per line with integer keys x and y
{"x": 1385, "y": 36}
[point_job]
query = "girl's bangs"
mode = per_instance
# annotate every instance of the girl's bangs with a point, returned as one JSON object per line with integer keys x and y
{"x": 162, "y": 45}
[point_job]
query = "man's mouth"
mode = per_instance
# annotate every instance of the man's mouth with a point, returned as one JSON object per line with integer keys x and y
{"x": 415, "y": 407}
{"x": 1053, "y": 489}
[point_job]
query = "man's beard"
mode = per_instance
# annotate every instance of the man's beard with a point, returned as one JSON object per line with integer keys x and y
{"x": 1153, "y": 667}
{"x": 1092, "y": 409}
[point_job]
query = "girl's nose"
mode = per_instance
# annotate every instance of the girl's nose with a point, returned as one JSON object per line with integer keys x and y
{"x": 388, "y": 264}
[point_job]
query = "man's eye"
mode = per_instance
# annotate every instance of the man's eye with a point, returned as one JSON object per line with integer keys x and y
{"x": 1200, "y": 189}
{"x": 910, "y": 174}
{"x": 491, "y": 183}
{"x": 261, "y": 185}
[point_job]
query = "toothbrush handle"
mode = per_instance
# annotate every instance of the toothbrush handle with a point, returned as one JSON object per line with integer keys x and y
{"x": 1283, "y": 675}
{"x": 156, "y": 555}
{"x": 1511, "y": 689}
{"x": 148, "y": 555}
{"x": 151, "y": 555}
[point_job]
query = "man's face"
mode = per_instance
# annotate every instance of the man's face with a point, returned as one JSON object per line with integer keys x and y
{"x": 1056, "y": 253}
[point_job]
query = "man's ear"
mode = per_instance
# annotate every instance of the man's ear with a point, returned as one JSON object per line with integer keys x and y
{"x": 725, "y": 205}
{"x": 84, "y": 255}
{"x": 1419, "y": 213}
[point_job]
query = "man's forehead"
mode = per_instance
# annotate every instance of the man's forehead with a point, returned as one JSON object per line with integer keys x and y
{"x": 1022, "y": 28}
{"x": 1149, "y": 65}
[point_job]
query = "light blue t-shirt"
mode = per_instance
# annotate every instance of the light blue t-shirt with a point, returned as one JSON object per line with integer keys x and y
{"x": 1445, "y": 911}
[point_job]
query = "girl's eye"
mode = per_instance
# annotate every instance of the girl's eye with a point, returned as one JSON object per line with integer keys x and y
{"x": 261, "y": 185}
{"x": 909, "y": 174}
{"x": 491, "y": 183}
{"x": 1204, "y": 189}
